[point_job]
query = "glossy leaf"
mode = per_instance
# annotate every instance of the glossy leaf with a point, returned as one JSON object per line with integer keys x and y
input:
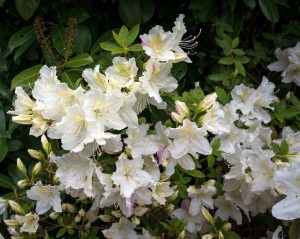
{"x": 26, "y": 77}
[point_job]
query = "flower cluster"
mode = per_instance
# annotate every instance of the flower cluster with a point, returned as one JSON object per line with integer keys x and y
{"x": 119, "y": 171}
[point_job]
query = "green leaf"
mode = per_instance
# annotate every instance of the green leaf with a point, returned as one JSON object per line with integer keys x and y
{"x": 118, "y": 39}
{"x": 251, "y": 3}
{"x": 216, "y": 77}
{"x": 239, "y": 68}
{"x": 2, "y": 123}
{"x": 83, "y": 39}
{"x": 222, "y": 95}
{"x": 238, "y": 52}
{"x": 210, "y": 161}
{"x": 1, "y": 2}
{"x": 195, "y": 173}
{"x": 135, "y": 47}
{"x": 79, "y": 13}
{"x": 61, "y": 232}
{"x": 223, "y": 44}
{"x": 21, "y": 50}
{"x": 3, "y": 149}
{"x": 3, "y": 65}
{"x": 132, "y": 35}
{"x": 284, "y": 148}
{"x": 113, "y": 47}
{"x": 235, "y": 42}
{"x": 269, "y": 9}
{"x": 231, "y": 235}
{"x": 70, "y": 78}
{"x": 58, "y": 37}
{"x": 27, "y": 8}
{"x": 78, "y": 61}
{"x": 226, "y": 61}
{"x": 294, "y": 229}
{"x": 19, "y": 38}
{"x": 5, "y": 181}
{"x": 179, "y": 70}
{"x": 26, "y": 77}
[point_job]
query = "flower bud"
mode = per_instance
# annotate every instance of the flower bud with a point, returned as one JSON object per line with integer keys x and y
{"x": 36, "y": 169}
{"x": 45, "y": 144}
{"x": 140, "y": 211}
{"x": 181, "y": 108}
{"x": 71, "y": 208}
{"x": 207, "y": 216}
{"x": 207, "y": 236}
{"x": 54, "y": 215}
{"x": 22, "y": 183}
{"x": 11, "y": 223}
{"x": 173, "y": 196}
{"x": 22, "y": 119}
{"x": 81, "y": 212}
{"x": 36, "y": 154}
{"x": 21, "y": 167}
{"x": 176, "y": 117}
{"x": 16, "y": 207}
{"x": 227, "y": 226}
{"x": 117, "y": 213}
{"x": 170, "y": 208}
{"x": 207, "y": 102}
{"x": 136, "y": 220}
{"x": 181, "y": 235}
{"x": 221, "y": 235}
{"x": 105, "y": 218}
{"x": 77, "y": 218}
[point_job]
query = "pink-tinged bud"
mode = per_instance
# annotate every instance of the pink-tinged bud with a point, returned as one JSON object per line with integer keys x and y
{"x": 181, "y": 108}
{"x": 176, "y": 117}
{"x": 207, "y": 102}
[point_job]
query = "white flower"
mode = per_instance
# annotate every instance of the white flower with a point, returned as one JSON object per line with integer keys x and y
{"x": 46, "y": 197}
{"x": 160, "y": 191}
{"x": 122, "y": 72}
{"x": 242, "y": 98}
{"x": 75, "y": 171}
{"x": 122, "y": 230}
{"x": 227, "y": 209}
{"x": 186, "y": 162}
{"x": 188, "y": 138}
{"x": 29, "y": 223}
{"x": 23, "y": 103}
{"x": 3, "y": 205}
{"x": 201, "y": 197}
{"x": 157, "y": 79}
{"x": 139, "y": 143}
{"x": 95, "y": 79}
{"x": 288, "y": 63}
{"x": 103, "y": 109}
{"x": 165, "y": 46}
{"x": 194, "y": 222}
{"x": 130, "y": 175}
{"x": 113, "y": 144}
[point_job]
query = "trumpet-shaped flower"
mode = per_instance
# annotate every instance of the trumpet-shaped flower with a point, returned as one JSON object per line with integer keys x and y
{"x": 46, "y": 197}
{"x": 130, "y": 175}
{"x": 29, "y": 223}
{"x": 121, "y": 230}
{"x": 75, "y": 171}
{"x": 188, "y": 138}
{"x": 157, "y": 78}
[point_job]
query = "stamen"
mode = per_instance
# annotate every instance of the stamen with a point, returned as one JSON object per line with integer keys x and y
{"x": 190, "y": 42}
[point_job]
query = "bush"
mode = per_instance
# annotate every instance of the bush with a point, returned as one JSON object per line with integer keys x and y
{"x": 133, "y": 126}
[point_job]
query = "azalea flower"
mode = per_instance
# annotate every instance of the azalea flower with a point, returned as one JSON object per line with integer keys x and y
{"x": 75, "y": 171}
{"x": 95, "y": 79}
{"x": 122, "y": 72}
{"x": 130, "y": 175}
{"x": 3, "y": 206}
{"x": 121, "y": 230}
{"x": 29, "y": 223}
{"x": 227, "y": 209}
{"x": 160, "y": 191}
{"x": 201, "y": 197}
{"x": 188, "y": 138}
{"x": 138, "y": 143}
{"x": 157, "y": 79}
{"x": 165, "y": 46}
{"x": 46, "y": 197}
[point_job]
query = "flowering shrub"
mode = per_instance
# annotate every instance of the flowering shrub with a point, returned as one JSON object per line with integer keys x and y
{"x": 126, "y": 154}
